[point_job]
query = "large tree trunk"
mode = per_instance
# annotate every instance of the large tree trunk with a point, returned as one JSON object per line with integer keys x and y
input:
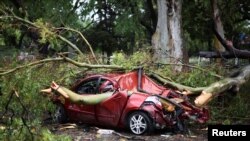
{"x": 231, "y": 84}
{"x": 228, "y": 84}
{"x": 160, "y": 38}
{"x": 219, "y": 27}
{"x": 167, "y": 39}
{"x": 176, "y": 43}
{"x": 76, "y": 98}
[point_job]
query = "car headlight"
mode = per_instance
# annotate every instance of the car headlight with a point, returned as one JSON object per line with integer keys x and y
{"x": 154, "y": 100}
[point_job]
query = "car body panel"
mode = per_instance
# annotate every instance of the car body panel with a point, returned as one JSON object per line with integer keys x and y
{"x": 129, "y": 81}
{"x": 108, "y": 112}
{"x": 78, "y": 112}
{"x": 131, "y": 91}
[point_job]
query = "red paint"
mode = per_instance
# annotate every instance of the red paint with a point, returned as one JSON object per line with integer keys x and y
{"x": 114, "y": 111}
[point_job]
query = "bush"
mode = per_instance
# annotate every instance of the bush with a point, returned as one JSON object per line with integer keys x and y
{"x": 22, "y": 104}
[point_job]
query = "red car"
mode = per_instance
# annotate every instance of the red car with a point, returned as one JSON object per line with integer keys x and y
{"x": 138, "y": 103}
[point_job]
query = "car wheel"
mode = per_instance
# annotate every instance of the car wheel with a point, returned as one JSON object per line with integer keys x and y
{"x": 140, "y": 123}
{"x": 60, "y": 115}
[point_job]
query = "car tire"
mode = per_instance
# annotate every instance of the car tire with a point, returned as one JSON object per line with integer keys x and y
{"x": 140, "y": 123}
{"x": 60, "y": 115}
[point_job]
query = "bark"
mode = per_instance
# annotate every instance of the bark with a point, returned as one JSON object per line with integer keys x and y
{"x": 160, "y": 38}
{"x": 196, "y": 67}
{"x": 167, "y": 39}
{"x": 227, "y": 55}
{"x": 230, "y": 47}
{"x": 176, "y": 42}
{"x": 217, "y": 25}
{"x": 182, "y": 88}
{"x": 85, "y": 99}
{"x": 86, "y": 41}
{"x": 66, "y": 59}
{"x": 219, "y": 33}
{"x": 232, "y": 83}
{"x": 76, "y": 98}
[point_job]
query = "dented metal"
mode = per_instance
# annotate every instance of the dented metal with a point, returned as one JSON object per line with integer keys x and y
{"x": 135, "y": 95}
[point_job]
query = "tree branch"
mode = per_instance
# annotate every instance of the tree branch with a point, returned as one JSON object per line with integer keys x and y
{"x": 86, "y": 41}
{"x": 195, "y": 67}
{"x": 13, "y": 16}
{"x": 30, "y": 64}
{"x": 71, "y": 45}
{"x": 184, "y": 89}
{"x": 229, "y": 46}
{"x": 231, "y": 83}
{"x": 79, "y": 64}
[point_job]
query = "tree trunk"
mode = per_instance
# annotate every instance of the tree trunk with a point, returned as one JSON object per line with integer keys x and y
{"x": 244, "y": 54}
{"x": 219, "y": 33}
{"x": 227, "y": 84}
{"x": 92, "y": 99}
{"x": 219, "y": 27}
{"x": 167, "y": 39}
{"x": 160, "y": 38}
{"x": 85, "y": 99}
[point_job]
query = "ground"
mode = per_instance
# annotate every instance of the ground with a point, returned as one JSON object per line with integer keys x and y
{"x": 80, "y": 132}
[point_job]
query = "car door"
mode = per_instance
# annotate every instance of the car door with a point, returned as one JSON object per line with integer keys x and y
{"x": 108, "y": 112}
{"x": 82, "y": 112}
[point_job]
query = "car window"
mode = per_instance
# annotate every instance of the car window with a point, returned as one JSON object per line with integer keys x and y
{"x": 105, "y": 86}
{"x": 88, "y": 87}
{"x": 95, "y": 86}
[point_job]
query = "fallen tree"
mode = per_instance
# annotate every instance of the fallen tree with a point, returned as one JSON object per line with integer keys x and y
{"x": 206, "y": 93}
{"x": 231, "y": 51}
{"x": 76, "y": 98}
{"x": 226, "y": 55}
{"x": 231, "y": 84}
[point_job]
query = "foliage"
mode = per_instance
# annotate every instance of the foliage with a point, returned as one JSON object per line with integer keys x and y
{"x": 110, "y": 26}
{"x": 46, "y": 34}
{"x": 23, "y": 106}
{"x": 124, "y": 24}
{"x": 21, "y": 133}
{"x": 198, "y": 22}
{"x": 138, "y": 58}
{"x": 193, "y": 78}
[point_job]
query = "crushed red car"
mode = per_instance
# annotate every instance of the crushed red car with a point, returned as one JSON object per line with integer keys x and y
{"x": 138, "y": 103}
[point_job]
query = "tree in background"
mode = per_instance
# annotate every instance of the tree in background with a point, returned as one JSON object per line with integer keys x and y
{"x": 110, "y": 25}
{"x": 167, "y": 40}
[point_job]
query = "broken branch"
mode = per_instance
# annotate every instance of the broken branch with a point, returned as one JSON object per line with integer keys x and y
{"x": 223, "y": 85}
{"x": 195, "y": 67}
{"x": 86, "y": 41}
{"x": 39, "y": 27}
{"x": 184, "y": 89}
{"x": 79, "y": 64}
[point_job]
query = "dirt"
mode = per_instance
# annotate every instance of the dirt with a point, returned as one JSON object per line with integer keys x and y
{"x": 80, "y": 132}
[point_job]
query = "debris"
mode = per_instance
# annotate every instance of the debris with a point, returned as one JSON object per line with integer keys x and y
{"x": 105, "y": 131}
{"x": 167, "y": 136}
{"x": 67, "y": 126}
